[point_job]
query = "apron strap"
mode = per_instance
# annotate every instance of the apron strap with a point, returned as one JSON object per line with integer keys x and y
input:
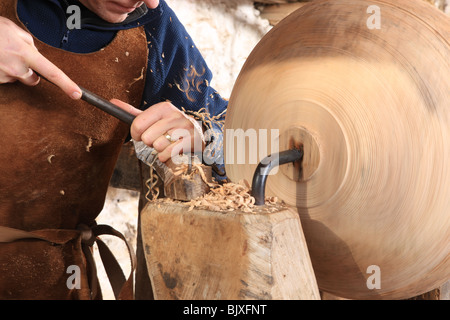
{"x": 11, "y": 235}
{"x": 122, "y": 287}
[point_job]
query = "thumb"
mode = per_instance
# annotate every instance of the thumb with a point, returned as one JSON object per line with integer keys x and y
{"x": 127, "y": 107}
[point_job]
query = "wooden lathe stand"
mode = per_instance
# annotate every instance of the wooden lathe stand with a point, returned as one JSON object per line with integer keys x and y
{"x": 202, "y": 254}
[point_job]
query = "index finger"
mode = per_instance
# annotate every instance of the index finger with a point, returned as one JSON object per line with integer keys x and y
{"x": 52, "y": 73}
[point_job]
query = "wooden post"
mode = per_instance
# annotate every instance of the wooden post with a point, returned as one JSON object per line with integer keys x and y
{"x": 202, "y": 254}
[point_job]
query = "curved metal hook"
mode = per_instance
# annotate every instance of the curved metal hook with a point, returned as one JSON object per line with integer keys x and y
{"x": 265, "y": 166}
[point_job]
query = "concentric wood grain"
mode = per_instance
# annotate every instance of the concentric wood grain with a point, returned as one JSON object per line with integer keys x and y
{"x": 375, "y": 104}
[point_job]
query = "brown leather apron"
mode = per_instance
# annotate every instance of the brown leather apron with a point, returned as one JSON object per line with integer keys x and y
{"x": 56, "y": 159}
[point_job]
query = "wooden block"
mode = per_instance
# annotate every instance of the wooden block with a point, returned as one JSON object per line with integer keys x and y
{"x": 183, "y": 186}
{"x": 203, "y": 254}
{"x": 186, "y": 188}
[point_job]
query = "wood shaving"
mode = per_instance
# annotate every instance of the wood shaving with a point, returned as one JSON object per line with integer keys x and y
{"x": 208, "y": 120}
{"x": 224, "y": 198}
{"x": 50, "y": 157}
{"x": 141, "y": 77}
{"x": 89, "y": 145}
{"x": 232, "y": 197}
{"x": 227, "y": 198}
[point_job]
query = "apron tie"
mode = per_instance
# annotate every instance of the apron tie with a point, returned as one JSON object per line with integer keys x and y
{"x": 122, "y": 287}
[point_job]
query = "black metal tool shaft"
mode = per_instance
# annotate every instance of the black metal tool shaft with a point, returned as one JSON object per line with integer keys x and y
{"x": 107, "y": 106}
{"x": 265, "y": 166}
{"x": 102, "y": 104}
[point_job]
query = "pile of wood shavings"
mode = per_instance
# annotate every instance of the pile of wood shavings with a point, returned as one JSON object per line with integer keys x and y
{"x": 228, "y": 197}
{"x": 225, "y": 197}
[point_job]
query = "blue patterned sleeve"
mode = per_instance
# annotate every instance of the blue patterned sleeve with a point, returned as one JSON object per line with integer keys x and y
{"x": 178, "y": 73}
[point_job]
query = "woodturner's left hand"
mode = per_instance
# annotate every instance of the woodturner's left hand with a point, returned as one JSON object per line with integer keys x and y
{"x": 165, "y": 128}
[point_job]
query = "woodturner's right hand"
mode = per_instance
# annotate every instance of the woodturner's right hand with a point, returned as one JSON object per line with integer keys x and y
{"x": 20, "y": 61}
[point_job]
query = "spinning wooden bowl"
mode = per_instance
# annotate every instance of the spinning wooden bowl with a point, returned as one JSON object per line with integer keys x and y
{"x": 370, "y": 107}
